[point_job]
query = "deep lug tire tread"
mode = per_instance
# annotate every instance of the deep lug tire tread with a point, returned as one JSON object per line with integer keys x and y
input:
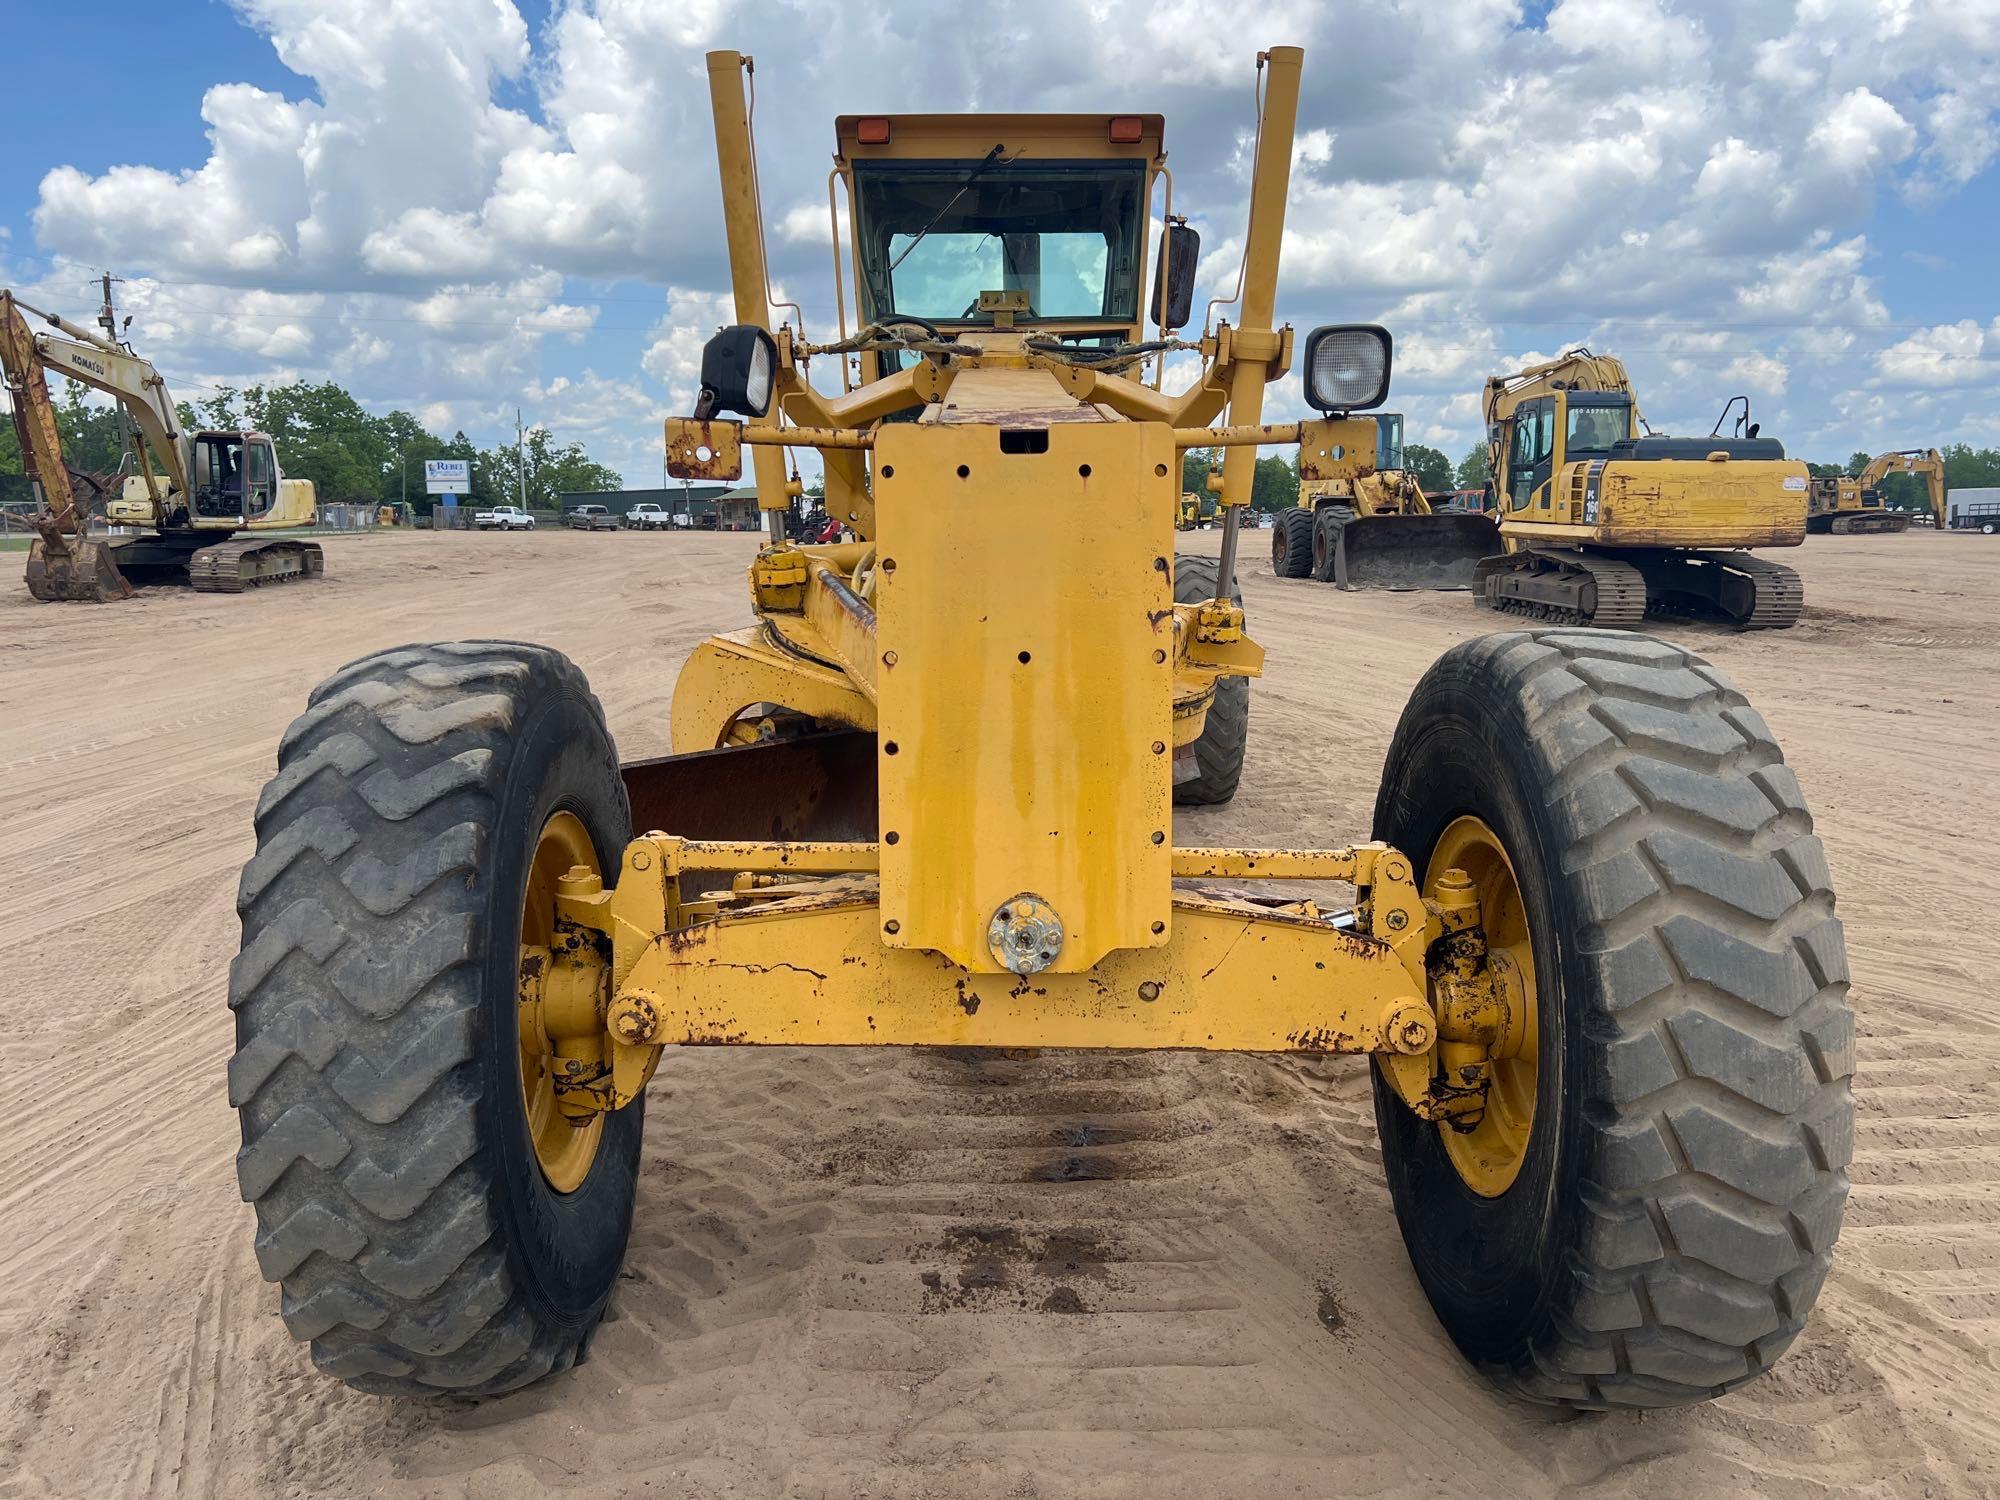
{"x": 1292, "y": 544}
{"x": 1328, "y": 523}
{"x": 1717, "y": 1039}
{"x": 357, "y": 995}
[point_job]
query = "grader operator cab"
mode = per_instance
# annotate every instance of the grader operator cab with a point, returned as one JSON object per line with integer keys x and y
{"x": 924, "y": 798}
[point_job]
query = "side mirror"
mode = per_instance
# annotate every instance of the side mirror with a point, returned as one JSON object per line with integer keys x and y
{"x": 1347, "y": 367}
{"x": 737, "y": 366}
{"x": 1173, "y": 275}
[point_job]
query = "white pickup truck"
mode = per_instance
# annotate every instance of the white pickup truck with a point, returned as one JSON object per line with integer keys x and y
{"x": 649, "y": 518}
{"x": 503, "y": 518}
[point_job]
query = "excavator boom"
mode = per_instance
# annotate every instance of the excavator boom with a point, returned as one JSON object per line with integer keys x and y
{"x": 1851, "y": 506}
{"x": 1929, "y": 463}
{"x": 63, "y": 564}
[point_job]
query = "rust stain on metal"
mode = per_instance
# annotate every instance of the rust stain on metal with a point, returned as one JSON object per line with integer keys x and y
{"x": 688, "y": 440}
{"x": 638, "y": 1021}
{"x": 687, "y": 939}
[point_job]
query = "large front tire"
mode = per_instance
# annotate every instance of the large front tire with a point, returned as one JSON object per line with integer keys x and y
{"x": 394, "y": 1155}
{"x": 1673, "y": 1208}
{"x": 1218, "y": 754}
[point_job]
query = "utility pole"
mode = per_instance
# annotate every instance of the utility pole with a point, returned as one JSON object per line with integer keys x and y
{"x": 107, "y": 319}
{"x": 520, "y": 461}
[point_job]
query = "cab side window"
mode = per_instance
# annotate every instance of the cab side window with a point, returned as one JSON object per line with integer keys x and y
{"x": 1534, "y": 435}
{"x": 260, "y": 481}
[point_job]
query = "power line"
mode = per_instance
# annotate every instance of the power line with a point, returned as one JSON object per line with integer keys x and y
{"x": 1567, "y": 320}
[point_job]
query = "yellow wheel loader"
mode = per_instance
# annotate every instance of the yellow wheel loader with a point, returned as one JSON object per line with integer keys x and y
{"x": 1843, "y": 506}
{"x": 924, "y": 797}
{"x": 196, "y": 502}
{"x": 1603, "y": 525}
{"x": 1197, "y": 512}
{"x": 1363, "y": 522}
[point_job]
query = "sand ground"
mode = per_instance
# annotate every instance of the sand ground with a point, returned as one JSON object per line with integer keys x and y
{"x": 895, "y": 1274}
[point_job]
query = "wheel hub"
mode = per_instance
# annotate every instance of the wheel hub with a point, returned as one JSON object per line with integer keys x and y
{"x": 557, "y": 979}
{"x": 1484, "y": 979}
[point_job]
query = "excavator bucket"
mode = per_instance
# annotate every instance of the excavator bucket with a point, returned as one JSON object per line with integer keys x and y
{"x": 69, "y": 569}
{"x": 1413, "y": 552}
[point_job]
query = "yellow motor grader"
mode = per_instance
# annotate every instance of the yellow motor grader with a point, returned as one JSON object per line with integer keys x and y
{"x": 924, "y": 797}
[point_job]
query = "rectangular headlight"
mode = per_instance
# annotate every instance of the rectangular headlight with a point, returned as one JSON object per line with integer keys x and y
{"x": 737, "y": 367}
{"x": 1347, "y": 366}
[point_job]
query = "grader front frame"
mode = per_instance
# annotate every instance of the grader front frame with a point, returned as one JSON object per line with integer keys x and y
{"x": 926, "y": 799}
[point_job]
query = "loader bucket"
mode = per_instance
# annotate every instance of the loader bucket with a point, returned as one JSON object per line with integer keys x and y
{"x": 1413, "y": 552}
{"x": 68, "y": 568}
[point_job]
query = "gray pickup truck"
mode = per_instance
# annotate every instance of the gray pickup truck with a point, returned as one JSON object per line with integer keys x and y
{"x": 590, "y": 518}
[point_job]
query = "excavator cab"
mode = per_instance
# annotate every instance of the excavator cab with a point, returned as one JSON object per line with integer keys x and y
{"x": 1548, "y": 433}
{"x": 235, "y": 477}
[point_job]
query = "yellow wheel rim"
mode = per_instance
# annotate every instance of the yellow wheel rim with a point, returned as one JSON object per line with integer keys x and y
{"x": 1489, "y": 1156}
{"x": 564, "y": 1148}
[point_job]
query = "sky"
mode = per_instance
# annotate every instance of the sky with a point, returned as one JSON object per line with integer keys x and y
{"x": 461, "y": 207}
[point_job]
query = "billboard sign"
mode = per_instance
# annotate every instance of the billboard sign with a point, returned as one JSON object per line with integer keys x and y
{"x": 448, "y": 476}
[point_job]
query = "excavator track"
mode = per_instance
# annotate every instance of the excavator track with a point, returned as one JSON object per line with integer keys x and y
{"x": 1868, "y": 523}
{"x": 1780, "y": 592}
{"x": 233, "y": 566}
{"x": 1564, "y": 588}
{"x": 1747, "y": 592}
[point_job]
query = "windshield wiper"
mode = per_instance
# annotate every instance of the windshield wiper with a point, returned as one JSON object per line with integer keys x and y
{"x": 970, "y": 178}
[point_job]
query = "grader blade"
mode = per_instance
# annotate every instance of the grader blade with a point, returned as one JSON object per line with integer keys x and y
{"x": 1412, "y": 552}
{"x": 68, "y": 569}
{"x": 814, "y": 787}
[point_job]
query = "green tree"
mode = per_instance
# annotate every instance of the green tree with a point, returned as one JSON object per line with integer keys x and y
{"x": 1475, "y": 468}
{"x": 1276, "y": 483}
{"x": 1195, "y": 464}
{"x": 93, "y": 437}
{"x": 545, "y": 469}
{"x": 1856, "y": 463}
{"x": 222, "y": 411}
{"x": 1432, "y": 468}
{"x": 325, "y": 435}
{"x": 1966, "y": 467}
{"x": 1826, "y": 471}
{"x": 406, "y": 447}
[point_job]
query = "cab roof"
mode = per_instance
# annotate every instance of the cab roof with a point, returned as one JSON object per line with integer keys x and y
{"x": 971, "y": 136}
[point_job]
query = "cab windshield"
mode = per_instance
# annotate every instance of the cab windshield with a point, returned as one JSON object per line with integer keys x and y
{"x": 934, "y": 235}
{"x": 1593, "y": 429}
